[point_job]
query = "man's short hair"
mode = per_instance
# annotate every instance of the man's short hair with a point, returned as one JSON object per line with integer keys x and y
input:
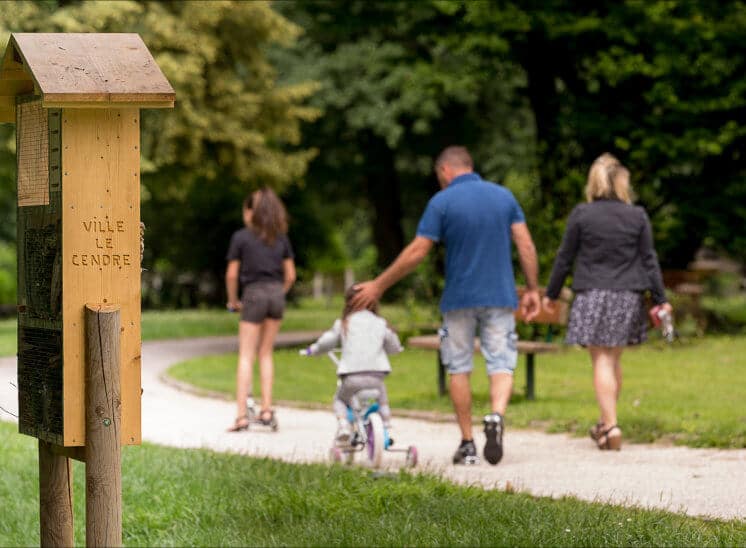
{"x": 455, "y": 156}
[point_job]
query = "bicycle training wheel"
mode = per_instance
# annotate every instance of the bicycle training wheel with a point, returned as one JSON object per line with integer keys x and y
{"x": 374, "y": 431}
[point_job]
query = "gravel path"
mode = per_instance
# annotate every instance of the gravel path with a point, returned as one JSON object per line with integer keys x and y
{"x": 701, "y": 482}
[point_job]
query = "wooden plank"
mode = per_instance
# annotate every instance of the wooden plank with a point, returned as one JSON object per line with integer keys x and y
{"x": 103, "y": 450}
{"x": 12, "y": 87}
{"x": 7, "y": 102}
{"x": 101, "y": 250}
{"x": 7, "y": 116}
{"x": 76, "y": 453}
{"x": 93, "y": 67}
{"x": 9, "y": 58}
{"x": 432, "y": 342}
{"x": 55, "y": 497}
{"x": 73, "y": 102}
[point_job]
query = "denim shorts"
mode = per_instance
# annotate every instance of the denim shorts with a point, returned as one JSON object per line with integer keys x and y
{"x": 497, "y": 338}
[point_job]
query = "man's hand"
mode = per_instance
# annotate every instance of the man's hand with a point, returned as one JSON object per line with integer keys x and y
{"x": 530, "y": 304}
{"x": 366, "y": 294}
{"x": 549, "y": 305}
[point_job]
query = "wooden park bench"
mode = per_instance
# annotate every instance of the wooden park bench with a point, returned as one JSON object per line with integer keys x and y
{"x": 530, "y": 348}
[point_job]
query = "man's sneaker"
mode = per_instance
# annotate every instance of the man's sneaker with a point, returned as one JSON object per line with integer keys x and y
{"x": 466, "y": 453}
{"x": 343, "y": 432}
{"x": 493, "y": 430}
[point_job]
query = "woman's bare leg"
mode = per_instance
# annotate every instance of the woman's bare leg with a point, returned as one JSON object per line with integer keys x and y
{"x": 269, "y": 331}
{"x": 606, "y": 380}
{"x": 248, "y": 338}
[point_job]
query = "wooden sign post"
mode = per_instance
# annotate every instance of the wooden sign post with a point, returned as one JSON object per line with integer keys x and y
{"x": 76, "y": 100}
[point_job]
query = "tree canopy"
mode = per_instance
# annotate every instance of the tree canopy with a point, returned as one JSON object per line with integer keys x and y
{"x": 341, "y": 107}
{"x": 233, "y": 129}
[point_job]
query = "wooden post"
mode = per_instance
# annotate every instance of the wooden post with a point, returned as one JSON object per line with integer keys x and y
{"x": 103, "y": 471}
{"x": 55, "y": 497}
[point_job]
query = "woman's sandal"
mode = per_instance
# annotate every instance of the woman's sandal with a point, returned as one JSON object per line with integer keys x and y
{"x": 241, "y": 424}
{"x": 610, "y": 439}
{"x": 266, "y": 417}
{"x": 595, "y": 431}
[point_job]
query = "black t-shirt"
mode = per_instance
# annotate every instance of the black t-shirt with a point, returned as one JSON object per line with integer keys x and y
{"x": 260, "y": 262}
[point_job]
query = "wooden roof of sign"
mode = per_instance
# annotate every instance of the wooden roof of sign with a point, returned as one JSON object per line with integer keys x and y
{"x": 81, "y": 70}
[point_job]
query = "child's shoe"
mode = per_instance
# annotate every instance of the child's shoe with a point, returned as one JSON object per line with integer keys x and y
{"x": 344, "y": 433}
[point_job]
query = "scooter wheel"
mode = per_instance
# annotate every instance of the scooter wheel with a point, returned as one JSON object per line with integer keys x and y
{"x": 274, "y": 425}
{"x": 412, "y": 456}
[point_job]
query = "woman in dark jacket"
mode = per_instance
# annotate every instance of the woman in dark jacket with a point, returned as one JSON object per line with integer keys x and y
{"x": 610, "y": 242}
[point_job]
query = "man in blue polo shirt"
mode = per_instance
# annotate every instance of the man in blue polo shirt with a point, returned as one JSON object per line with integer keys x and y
{"x": 476, "y": 220}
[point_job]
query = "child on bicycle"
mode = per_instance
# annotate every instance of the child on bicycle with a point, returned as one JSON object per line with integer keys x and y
{"x": 365, "y": 339}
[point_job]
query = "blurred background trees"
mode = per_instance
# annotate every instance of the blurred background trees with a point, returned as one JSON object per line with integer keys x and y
{"x": 341, "y": 106}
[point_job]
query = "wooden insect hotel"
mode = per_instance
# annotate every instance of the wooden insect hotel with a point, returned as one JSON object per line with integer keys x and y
{"x": 76, "y": 100}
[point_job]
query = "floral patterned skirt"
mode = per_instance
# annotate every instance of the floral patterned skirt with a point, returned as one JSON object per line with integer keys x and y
{"x": 607, "y": 317}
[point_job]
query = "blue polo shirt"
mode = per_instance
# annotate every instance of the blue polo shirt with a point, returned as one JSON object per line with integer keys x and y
{"x": 473, "y": 218}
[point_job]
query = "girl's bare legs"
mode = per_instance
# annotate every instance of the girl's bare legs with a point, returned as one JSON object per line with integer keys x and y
{"x": 248, "y": 339}
{"x": 269, "y": 329}
{"x": 607, "y": 380}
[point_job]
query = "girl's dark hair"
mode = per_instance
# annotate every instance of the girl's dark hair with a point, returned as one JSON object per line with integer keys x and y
{"x": 269, "y": 218}
{"x": 349, "y": 309}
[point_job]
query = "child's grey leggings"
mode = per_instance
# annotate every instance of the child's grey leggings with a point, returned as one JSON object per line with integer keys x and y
{"x": 349, "y": 384}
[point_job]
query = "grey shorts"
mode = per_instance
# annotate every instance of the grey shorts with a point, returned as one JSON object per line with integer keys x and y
{"x": 262, "y": 300}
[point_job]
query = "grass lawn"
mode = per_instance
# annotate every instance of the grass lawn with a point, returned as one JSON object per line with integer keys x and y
{"x": 690, "y": 393}
{"x": 175, "y": 497}
{"x": 8, "y": 342}
{"x": 307, "y": 314}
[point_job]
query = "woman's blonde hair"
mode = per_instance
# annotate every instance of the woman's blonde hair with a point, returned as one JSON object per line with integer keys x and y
{"x": 608, "y": 178}
{"x": 269, "y": 217}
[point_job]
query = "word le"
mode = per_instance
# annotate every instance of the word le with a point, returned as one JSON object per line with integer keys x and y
{"x": 102, "y": 227}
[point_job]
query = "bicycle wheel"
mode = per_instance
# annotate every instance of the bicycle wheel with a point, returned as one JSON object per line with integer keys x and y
{"x": 374, "y": 431}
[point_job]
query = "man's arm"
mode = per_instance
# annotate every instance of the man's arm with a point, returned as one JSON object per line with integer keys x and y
{"x": 231, "y": 284}
{"x": 530, "y": 302}
{"x": 412, "y": 255}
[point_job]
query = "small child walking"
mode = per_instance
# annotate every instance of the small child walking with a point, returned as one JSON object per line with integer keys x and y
{"x": 365, "y": 339}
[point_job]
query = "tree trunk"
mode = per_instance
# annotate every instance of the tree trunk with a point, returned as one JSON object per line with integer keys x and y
{"x": 383, "y": 192}
{"x": 542, "y": 94}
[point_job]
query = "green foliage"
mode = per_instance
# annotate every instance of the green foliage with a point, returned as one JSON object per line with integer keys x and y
{"x": 418, "y": 90}
{"x": 661, "y": 84}
{"x": 8, "y": 280}
{"x": 233, "y": 129}
{"x": 684, "y": 393}
{"x": 535, "y": 89}
{"x": 175, "y": 497}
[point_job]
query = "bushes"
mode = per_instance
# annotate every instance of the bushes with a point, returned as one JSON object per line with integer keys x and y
{"x": 8, "y": 279}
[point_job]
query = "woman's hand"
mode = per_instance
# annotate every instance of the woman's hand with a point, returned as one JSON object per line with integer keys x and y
{"x": 233, "y": 306}
{"x": 548, "y": 304}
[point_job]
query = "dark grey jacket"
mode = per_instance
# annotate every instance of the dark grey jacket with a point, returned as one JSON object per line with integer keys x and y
{"x": 611, "y": 244}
